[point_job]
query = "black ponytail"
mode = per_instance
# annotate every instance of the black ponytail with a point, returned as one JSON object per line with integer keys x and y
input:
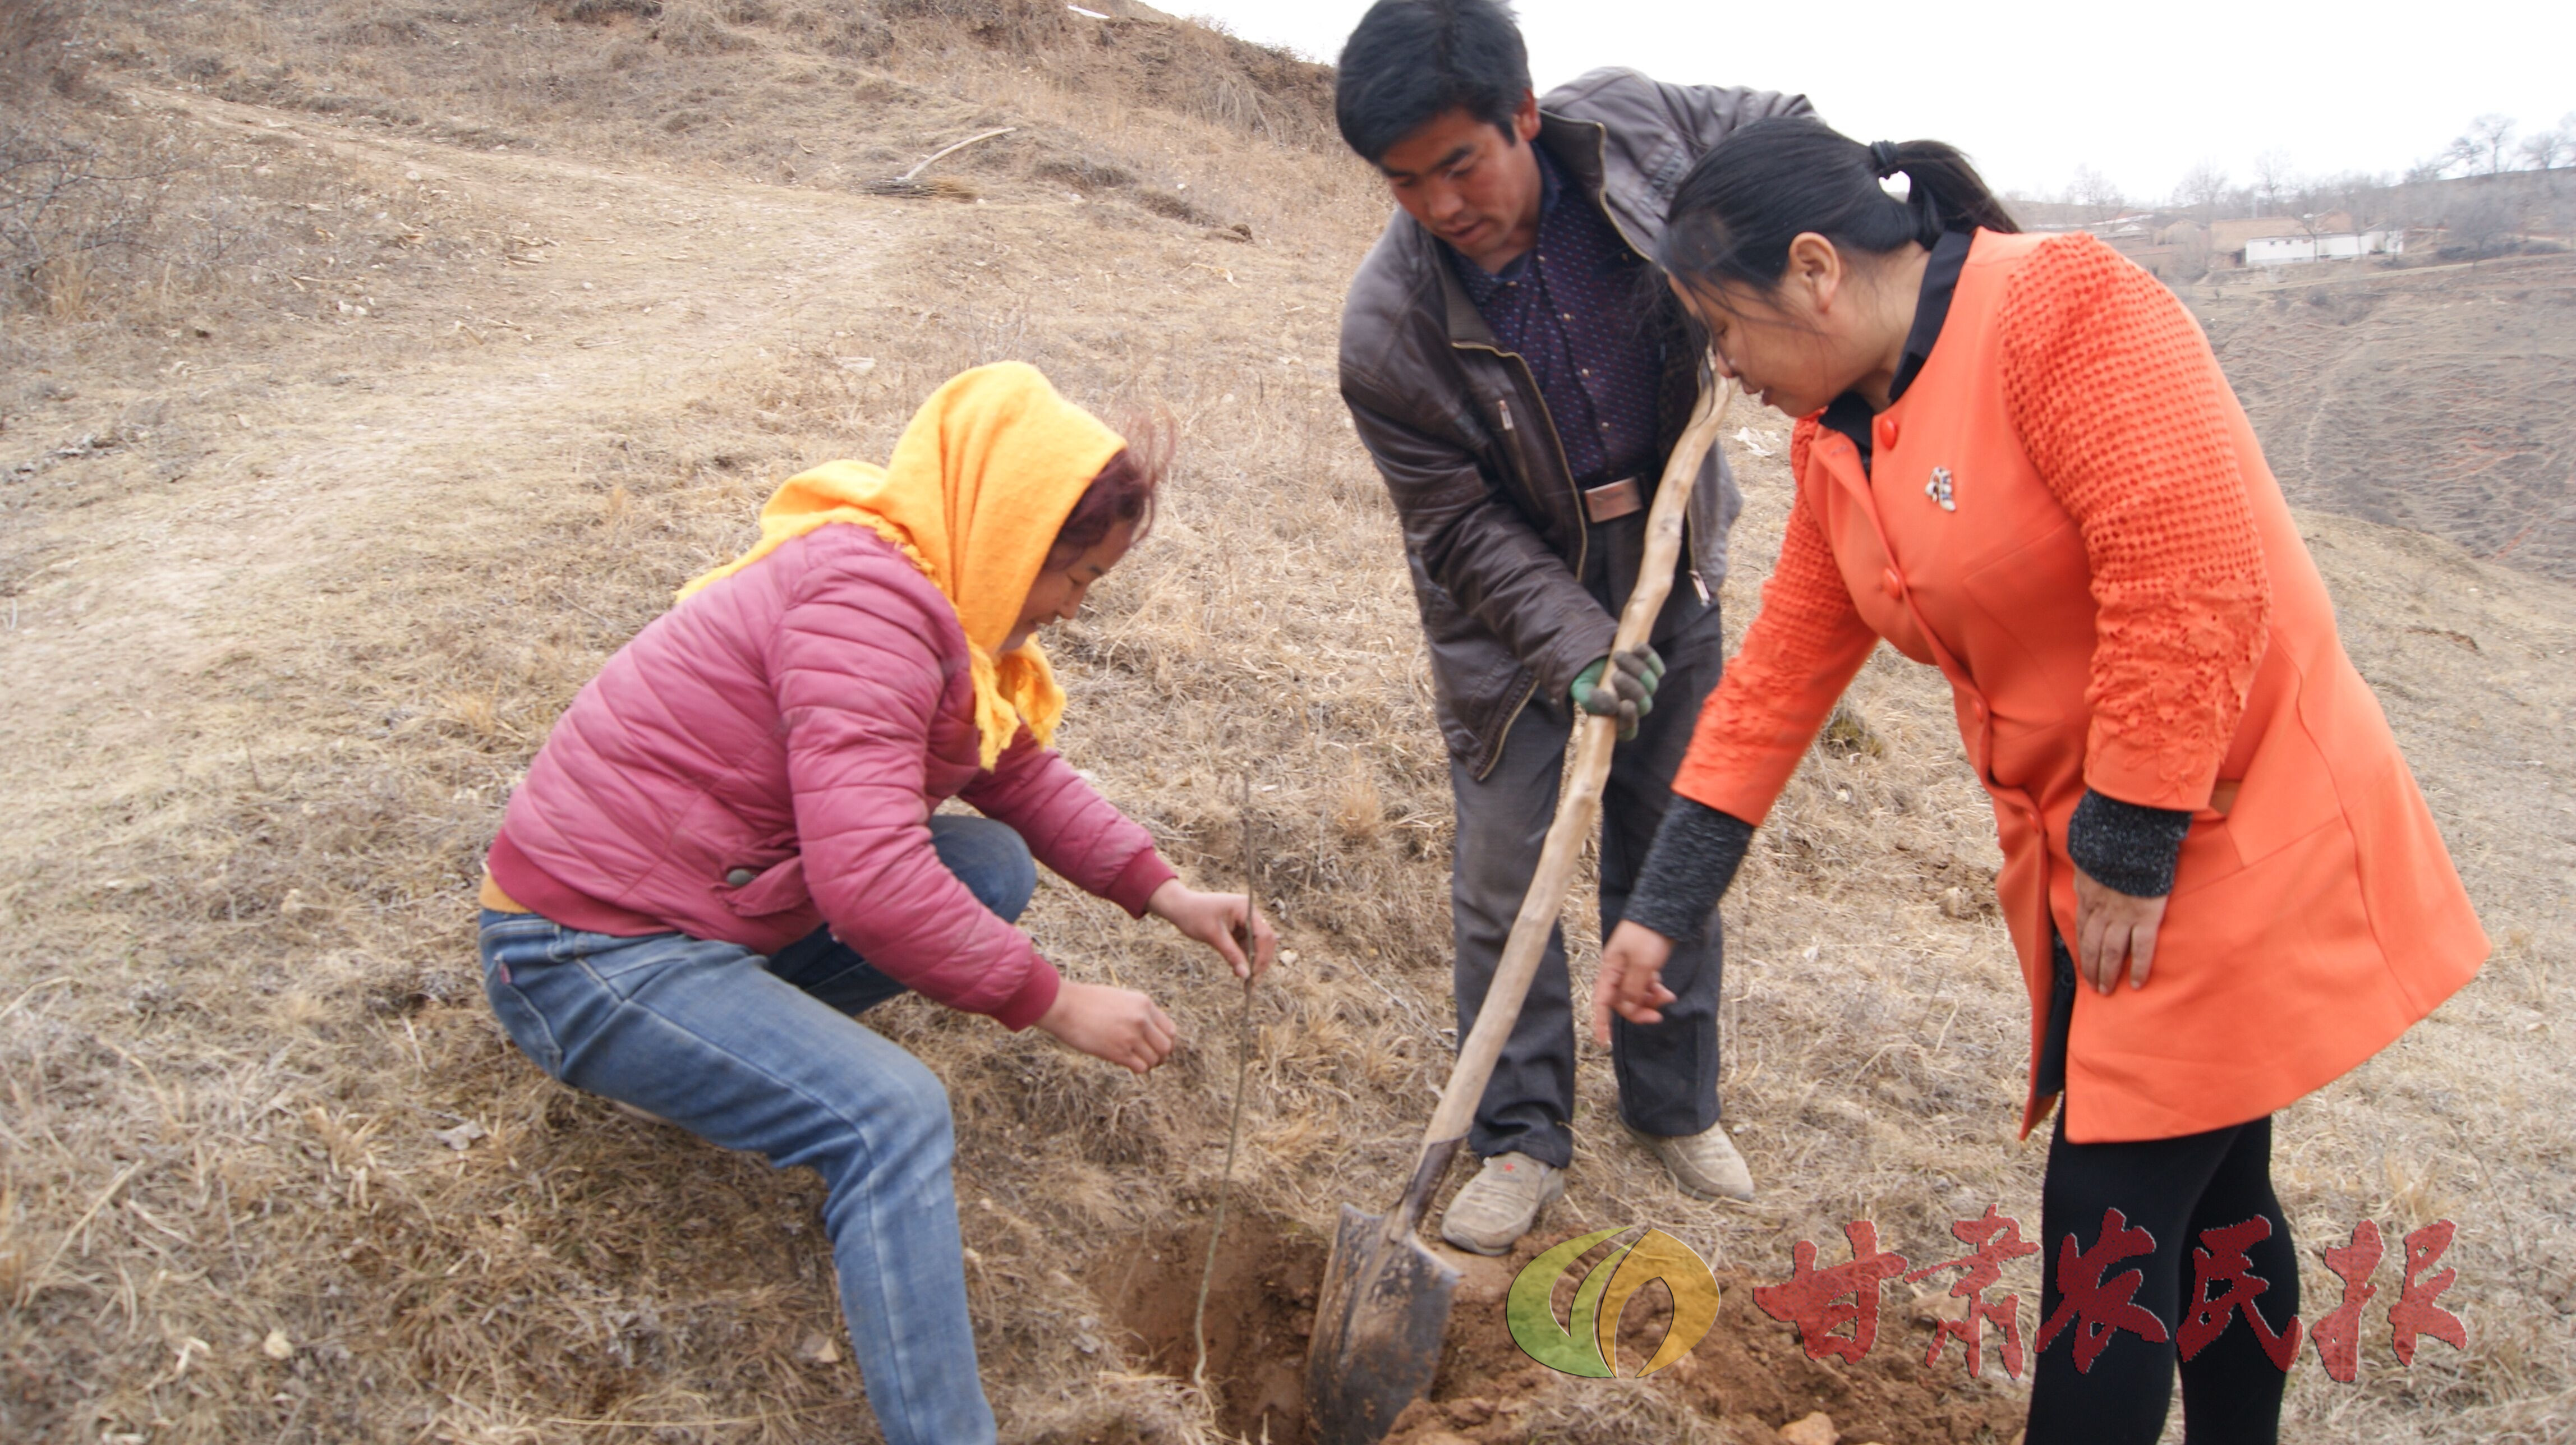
{"x": 1733, "y": 217}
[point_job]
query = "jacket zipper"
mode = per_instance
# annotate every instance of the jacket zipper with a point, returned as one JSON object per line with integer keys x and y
{"x": 1508, "y": 719}
{"x": 1565, "y": 469}
{"x": 1601, "y": 167}
{"x": 1582, "y": 522}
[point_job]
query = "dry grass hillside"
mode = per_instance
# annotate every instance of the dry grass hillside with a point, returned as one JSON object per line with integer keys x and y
{"x": 2431, "y": 398}
{"x": 429, "y": 348}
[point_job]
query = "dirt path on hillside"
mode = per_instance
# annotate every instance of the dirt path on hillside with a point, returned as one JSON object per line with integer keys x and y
{"x": 637, "y": 285}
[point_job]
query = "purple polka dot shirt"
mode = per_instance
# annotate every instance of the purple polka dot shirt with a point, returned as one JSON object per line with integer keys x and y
{"x": 1570, "y": 307}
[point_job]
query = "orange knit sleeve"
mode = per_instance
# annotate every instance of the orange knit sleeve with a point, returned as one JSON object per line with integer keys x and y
{"x": 2123, "y": 410}
{"x": 1797, "y": 657}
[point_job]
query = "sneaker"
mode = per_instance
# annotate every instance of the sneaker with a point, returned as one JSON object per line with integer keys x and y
{"x": 1501, "y": 1203}
{"x": 1704, "y": 1164}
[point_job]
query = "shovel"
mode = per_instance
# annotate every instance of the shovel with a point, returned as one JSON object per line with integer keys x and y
{"x": 1384, "y": 1304}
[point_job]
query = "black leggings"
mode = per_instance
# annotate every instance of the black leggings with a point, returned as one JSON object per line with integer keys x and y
{"x": 2173, "y": 1189}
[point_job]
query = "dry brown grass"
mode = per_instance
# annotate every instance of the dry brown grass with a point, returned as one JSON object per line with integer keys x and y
{"x": 275, "y": 665}
{"x": 114, "y": 212}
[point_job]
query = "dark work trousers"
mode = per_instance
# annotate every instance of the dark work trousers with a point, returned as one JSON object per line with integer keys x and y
{"x": 2173, "y": 1189}
{"x": 1668, "y": 1071}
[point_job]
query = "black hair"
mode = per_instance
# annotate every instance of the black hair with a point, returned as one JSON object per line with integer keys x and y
{"x": 1410, "y": 60}
{"x": 1733, "y": 217}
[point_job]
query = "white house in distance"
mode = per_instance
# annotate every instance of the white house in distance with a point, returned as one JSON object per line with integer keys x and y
{"x": 2332, "y": 246}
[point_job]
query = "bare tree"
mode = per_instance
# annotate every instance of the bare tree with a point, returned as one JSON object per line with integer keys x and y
{"x": 2202, "y": 191}
{"x": 2358, "y": 194}
{"x": 2550, "y": 149}
{"x": 2482, "y": 225}
{"x": 2275, "y": 178}
{"x": 2481, "y": 150}
{"x": 2093, "y": 192}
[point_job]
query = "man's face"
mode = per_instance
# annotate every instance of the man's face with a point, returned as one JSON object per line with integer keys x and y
{"x": 1470, "y": 183}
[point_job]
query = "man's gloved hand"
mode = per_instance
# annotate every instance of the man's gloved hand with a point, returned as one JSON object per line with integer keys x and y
{"x": 1621, "y": 685}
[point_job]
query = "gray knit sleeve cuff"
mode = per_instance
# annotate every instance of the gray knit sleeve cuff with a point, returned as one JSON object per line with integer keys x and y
{"x": 2125, "y": 847}
{"x": 1697, "y": 850}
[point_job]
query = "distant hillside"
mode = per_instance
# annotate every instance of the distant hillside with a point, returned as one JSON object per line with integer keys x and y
{"x": 765, "y": 88}
{"x": 2485, "y": 215}
{"x": 2435, "y": 399}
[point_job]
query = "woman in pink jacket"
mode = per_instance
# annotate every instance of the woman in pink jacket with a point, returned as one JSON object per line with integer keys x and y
{"x": 728, "y": 848}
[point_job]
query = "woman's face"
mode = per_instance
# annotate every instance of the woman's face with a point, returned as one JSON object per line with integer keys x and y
{"x": 1793, "y": 349}
{"x": 1059, "y": 590}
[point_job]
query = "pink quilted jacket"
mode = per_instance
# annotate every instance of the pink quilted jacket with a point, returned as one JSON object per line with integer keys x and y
{"x": 764, "y": 758}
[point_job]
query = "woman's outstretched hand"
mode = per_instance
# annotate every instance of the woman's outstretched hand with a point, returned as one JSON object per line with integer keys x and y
{"x": 1117, "y": 1024}
{"x": 2112, "y": 928}
{"x": 1632, "y": 979}
{"x": 1222, "y": 921}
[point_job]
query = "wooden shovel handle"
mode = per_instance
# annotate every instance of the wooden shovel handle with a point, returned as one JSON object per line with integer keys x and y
{"x": 1581, "y": 803}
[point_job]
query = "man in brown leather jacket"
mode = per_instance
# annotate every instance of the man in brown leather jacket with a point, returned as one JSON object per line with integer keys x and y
{"x": 1511, "y": 368}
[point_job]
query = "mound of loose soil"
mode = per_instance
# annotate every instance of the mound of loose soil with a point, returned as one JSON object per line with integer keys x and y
{"x": 1749, "y": 1376}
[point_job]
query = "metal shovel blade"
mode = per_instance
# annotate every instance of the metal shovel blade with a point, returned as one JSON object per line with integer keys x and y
{"x": 1379, "y": 1321}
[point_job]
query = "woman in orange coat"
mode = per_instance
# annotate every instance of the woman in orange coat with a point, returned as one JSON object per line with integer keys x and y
{"x": 2018, "y": 461}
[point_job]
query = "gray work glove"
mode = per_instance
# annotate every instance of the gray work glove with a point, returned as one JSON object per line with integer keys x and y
{"x": 1621, "y": 685}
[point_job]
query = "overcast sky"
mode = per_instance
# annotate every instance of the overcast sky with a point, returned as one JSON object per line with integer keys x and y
{"x": 2139, "y": 92}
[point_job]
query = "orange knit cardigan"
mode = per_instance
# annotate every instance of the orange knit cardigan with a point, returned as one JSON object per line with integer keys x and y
{"x": 2068, "y": 514}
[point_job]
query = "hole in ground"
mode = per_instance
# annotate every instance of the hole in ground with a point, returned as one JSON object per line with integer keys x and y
{"x": 1261, "y": 1309}
{"x": 1749, "y": 1374}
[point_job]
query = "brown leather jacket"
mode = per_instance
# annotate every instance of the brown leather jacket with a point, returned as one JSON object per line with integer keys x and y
{"x": 1493, "y": 528}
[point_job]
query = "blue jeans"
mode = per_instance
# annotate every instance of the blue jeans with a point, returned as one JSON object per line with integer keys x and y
{"x": 762, "y": 1054}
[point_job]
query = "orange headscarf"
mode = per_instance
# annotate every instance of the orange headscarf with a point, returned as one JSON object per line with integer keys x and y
{"x": 980, "y": 483}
